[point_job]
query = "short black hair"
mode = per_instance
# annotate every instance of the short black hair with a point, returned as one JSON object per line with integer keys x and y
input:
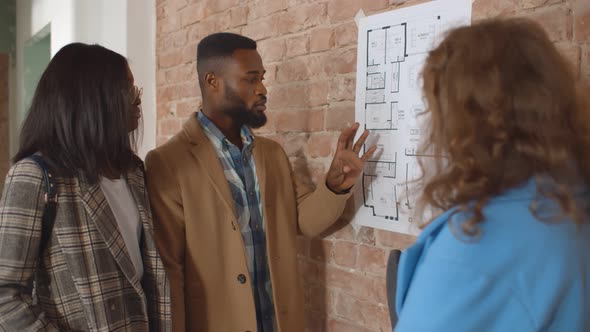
{"x": 79, "y": 115}
{"x": 213, "y": 49}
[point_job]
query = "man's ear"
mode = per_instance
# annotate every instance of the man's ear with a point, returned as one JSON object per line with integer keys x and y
{"x": 211, "y": 81}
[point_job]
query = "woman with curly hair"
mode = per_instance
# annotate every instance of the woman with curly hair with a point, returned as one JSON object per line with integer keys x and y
{"x": 510, "y": 125}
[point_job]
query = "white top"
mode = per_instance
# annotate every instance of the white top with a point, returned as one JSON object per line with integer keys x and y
{"x": 125, "y": 210}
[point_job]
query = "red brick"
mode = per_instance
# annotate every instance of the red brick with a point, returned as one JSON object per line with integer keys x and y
{"x": 394, "y": 240}
{"x": 262, "y": 29}
{"x": 345, "y": 10}
{"x": 297, "y": 45}
{"x": 163, "y": 109}
{"x": 572, "y": 53}
{"x": 317, "y": 170}
{"x": 294, "y": 144}
{"x": 340, "y": 116}
{"x": 317, "y": 65}
{"x": 346, "y": 34}
{"x": 166, "y": 94}
{"x": 315, "y": 320}
{"x": 264, "y": 8}
{"x": 239, "y": 16}
{"x": 345, "y": 232}
{"x": 288, "y": 96}
{"x": 272, "y": 49}
{"x": 181, "y": 73}
{"x": 321, "y": 145}
{"x": 372, "y": 260}
{"x": 319, "y": 298}
{"x": 581, "y": 10}
{"x": 194, "y": 34}
{"x": 170, "y": 58}
{"x": 169, "y": 24}
{"x": 304, "y": 120}
{"x": 161, "y": 139}
{"x": 343, "y": 62}
{"x": 192, "y": 14}
{"x": 585, "y": 70}
{"x": 320, "y": 250}
{"x": 169, "y": 126}
{"x": 216, "y": 6}
{"x": 303, "y": 17}
{"x": 363, "y": 313}
{"x": 312, "y": 272}
{"x": 556, "y": 20}
{"x": 360, "y": 286}
{"x": 270, "y": 76}
{"x": 177, "y": 4}
{"x": 490, "y": 8}
{"x": 345, "y": 254}
{"x": 337, "y": 325}
{"x": 527, "y": 4}
{"x": 318, "y": 93}
{"x": 303, "y": 246}
{"x": 186, "y": 108}
{"x": 322, "y": 39}
{"x": 189, "y": 55}
{"x": 172, "y": 40}
{"x": 188, "y": 89}
{"x": 216, "y": 23}
{"x": 366, "y": 235}
{"x": 162, "y": 12}
{"x": 293, "y": 70}
{"x": 309, "y": 171}
{"x": 343, "y": 88}
{"x": 160, "y": 78}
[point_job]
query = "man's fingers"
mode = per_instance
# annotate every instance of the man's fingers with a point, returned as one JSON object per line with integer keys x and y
{"x": 343, "y": 139}
{"x": 369, "y": 153}
{"x": 359, "y": 144}
{"x": 350, "y": 141}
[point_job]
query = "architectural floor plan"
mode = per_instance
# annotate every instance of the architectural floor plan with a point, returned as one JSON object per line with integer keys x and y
{"x": 392, "y": 49}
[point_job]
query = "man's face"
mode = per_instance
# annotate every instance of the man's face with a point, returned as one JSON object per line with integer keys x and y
{"x": 244, "y": 93}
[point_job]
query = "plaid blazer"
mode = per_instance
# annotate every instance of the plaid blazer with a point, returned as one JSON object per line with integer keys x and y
{"x": 85, "y": 278}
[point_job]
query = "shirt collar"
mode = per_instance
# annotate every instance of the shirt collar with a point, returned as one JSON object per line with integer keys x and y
{"x": 208, "y": 125}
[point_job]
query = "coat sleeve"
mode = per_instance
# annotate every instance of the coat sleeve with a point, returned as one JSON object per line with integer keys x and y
{"x": 169, "y": 230}
{"x": 21, "y": 211}
{"x": 317, "y": 209}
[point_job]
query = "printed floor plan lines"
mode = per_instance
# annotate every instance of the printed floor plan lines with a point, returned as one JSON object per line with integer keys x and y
{"x": 392, "y": 50}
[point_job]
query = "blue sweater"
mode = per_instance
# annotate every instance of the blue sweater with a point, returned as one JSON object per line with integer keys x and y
{"x": 521, "y": 274}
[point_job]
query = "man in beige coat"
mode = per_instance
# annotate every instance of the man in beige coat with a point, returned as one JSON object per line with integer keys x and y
{"x": 226, "y": 204}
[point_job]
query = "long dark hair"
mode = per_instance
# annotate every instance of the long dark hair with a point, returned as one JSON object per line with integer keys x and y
{"x": 79, "y": 116}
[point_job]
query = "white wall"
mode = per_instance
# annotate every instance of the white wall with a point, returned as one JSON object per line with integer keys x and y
{"x": 125, "y": 26}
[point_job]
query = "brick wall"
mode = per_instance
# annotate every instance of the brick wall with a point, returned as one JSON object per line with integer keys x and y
{"x": 4, "y": 146}
{"x": 309, "y": 50}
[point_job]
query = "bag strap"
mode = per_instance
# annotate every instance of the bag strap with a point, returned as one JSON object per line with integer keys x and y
{"x": 49, "y": 212}
{"x": 391, "y": 283}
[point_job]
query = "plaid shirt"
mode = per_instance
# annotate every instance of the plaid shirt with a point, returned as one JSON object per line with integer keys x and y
{"x": 240, "y": 171}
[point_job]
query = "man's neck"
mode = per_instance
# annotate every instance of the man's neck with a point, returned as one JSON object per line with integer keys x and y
{"x": 228, "y": 126}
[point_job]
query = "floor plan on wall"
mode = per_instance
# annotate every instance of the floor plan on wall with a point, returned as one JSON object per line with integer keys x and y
{"x": 391, "y": 53}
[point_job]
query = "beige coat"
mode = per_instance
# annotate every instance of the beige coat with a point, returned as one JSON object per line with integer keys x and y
{"x": 200, "y": 242}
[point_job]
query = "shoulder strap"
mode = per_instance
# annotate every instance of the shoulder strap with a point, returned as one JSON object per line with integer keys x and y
{"x": 50, "y": 209}
{"x": 391, "y": 283}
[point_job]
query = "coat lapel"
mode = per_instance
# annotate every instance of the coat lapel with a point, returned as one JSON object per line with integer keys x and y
{"x": 206, "y": 156}
{"x": 258, "y": 153}
{"x": 98, "y": 209}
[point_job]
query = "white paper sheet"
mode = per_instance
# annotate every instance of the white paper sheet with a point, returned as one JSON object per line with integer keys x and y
{"x": 392, "y": 48}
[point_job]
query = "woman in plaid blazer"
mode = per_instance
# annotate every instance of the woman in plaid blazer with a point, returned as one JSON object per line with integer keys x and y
{"x": 98, "y": 271}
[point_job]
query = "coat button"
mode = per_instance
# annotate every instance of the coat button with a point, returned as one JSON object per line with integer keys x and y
{"x": 242, "y": 278}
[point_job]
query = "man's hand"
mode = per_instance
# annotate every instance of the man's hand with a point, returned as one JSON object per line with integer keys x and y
{"x": 346, "y": 165}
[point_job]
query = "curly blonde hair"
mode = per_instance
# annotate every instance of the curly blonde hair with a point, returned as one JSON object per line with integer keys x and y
{"x": 504, "y": 107}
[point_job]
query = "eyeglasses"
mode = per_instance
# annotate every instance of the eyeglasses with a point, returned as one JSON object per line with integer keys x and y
{"x": 137, "y": 92}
